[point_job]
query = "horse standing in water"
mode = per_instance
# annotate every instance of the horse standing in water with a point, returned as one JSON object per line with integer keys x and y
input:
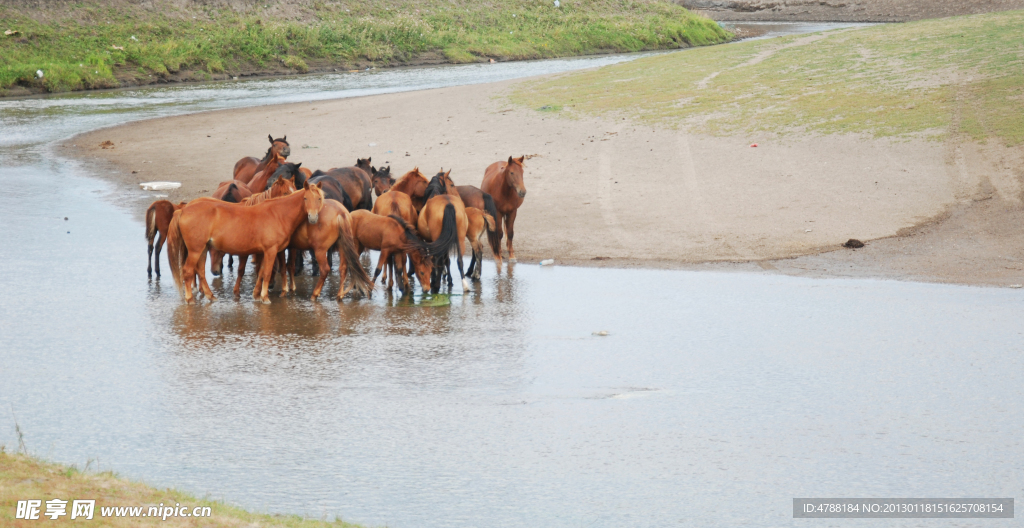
{"x": 263, "y": 229}
{"x": 503, "y": 180}
{"x": 158, "y": 219}
{"x": 333, "y": 231}
{"x": 479, "y": 222}
{"x": 247, "y": 167}
{"x": 474, "y": 197}
{"x": 356, "y": 181}
{"x": 395, "y": 239}
{"x": 443, "y": 221}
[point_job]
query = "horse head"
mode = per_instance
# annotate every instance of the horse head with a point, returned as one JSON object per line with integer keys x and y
{"x": 292, "y": 171}
{"x": 312, "y": 201}
{"x": 280, "y": 146}
{"x": 282, "y": 186}
{"x": 514, "y": 175}
{"x": 382, "y": 180}
{"x": 365, "y": 165}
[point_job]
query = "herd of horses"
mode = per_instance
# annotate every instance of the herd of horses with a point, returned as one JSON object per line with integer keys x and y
{"x": 275, "y": 211}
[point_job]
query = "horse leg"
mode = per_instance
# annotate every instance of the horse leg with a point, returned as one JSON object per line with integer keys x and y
{"x": 381, "y": 261}
{"x": 189, "y": 275}
{"x": 229, "y": 261}
{"x": 399, "y": 271}
{"x": 203, "y": 285}
{"x": 159, "y": 246}
{"x": 257, "y": 261}
{"x": 458, "y": 260}
{"x": 267, "y": 273}
{"x": 320, "y": 256}
{"x": 149, "y": 261}
{"x": 510, "y": 219}
{"x": 242, "y": 261}
{"x": 283, "y": 269}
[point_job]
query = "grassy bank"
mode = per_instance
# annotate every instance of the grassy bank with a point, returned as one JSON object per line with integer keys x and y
{"x": 98, "y": 44}
{"x": 23, "y": 478}
{"x": 954, "y": 75}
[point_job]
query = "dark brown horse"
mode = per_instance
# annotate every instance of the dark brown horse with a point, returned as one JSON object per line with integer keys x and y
{"x": 158, "y": 219}
{"x": 263, "y": 229}
{"x": 474, "y": 197}
{"x": 382, "y": 180}
{"x": 247, "y": 167}
{"x": 232, "y": 192}
{"x": 356, "y": 181}
{"x": 503, "y": 180}
{"x": 414, "y": 185}
{"x": 333, "y": 231}
{"x": 444, "y": 216}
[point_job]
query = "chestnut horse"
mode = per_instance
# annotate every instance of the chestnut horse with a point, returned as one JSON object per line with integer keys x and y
{"x": 158, "y": 218}
{"x": 281, "y": 187}
{"x": 479, "y": 222}
{"x": 395, "y": 239}
{"x": 474, "y": 197}
{"x": 262, "y": 229}
{"x": 503, "y": 180}
{"x": 414, "y": 185}
{"x": 235, "y": 190}
{"x": 333, "y": 231}
{"x": 382, "y": 180}
{"x": 443, "y": 221}
{"x": 247, "y": 167}
{"x": 399, "y": 204}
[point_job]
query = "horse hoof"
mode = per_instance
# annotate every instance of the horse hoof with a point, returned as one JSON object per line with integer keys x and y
{"x": 265, "y": 301}
{"x": 465, "y": 285}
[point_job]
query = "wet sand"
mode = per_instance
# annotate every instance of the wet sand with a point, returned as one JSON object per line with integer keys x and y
{"x": 611, "y": 193}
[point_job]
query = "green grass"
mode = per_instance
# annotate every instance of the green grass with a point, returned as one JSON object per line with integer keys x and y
{"x": 23, "y": 477}
{"x": 931, "y": 78}
{"x": 79, "y": 47}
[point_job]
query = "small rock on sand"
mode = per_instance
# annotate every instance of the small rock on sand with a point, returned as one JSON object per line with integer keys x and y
{"x": 853, "y": 243}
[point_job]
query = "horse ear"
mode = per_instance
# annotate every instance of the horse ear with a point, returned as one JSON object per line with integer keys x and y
{"x": 510, "y": 160}
{"x": 319, "y": 185}
{"x": 520, "y": 159}
{"x": 285, "y": 138}
{"x": 448, "y": 174}
{"x": 305, "y": 185}
{"x": 299, "y": 164}
{"x": 271, "y": 138}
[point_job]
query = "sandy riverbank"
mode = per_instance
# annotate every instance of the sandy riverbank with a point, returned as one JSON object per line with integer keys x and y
{"x": 608, "y": 192}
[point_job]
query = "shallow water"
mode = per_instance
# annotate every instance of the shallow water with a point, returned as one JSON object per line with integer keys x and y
{"x": 715, "y": 399}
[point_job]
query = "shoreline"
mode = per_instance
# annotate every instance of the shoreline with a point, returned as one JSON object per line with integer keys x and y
{"x": 901, "y": 225}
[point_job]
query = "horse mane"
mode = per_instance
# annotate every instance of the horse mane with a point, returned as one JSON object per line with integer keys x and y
{"x": 435, "y": 187}
{"x": 412, "y": 241}
{"x": 229, "y": 195}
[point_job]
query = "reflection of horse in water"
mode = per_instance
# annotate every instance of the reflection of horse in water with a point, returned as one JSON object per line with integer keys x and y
{"x": 263, "y": 229}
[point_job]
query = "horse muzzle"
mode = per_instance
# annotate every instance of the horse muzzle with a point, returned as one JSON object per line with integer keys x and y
{"x": 521, "y": 193}
{"x": 285, "y": 152}
{"x": 313, "y": 217}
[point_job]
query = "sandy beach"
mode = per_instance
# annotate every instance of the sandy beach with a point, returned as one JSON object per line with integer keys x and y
{"x": 612, "y": 193}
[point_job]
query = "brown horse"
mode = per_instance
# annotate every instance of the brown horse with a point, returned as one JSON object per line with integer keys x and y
{"x": 334, "y": 230}
{"x": 232, "y": 192}
{"x": 262, "y": 229}
{"x": 260, "y": 181}
{"x": 474, "y": 197}
{"x": 443, "y": 221}
{"x": 479, "y": 222}
{"x": 395, "y": 239}
{"x": 382, "y": 180}
{"x": 396, "y": 203}
{"x": 247, "y": 167}
{"x": 503, "y": 180}
{"x": 281, "y": 187}
{"x": 355, "y": 180}
{"x": 414, "y": 185}
{"x": 158, "y": 219}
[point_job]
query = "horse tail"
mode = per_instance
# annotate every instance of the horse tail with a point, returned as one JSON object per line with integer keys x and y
{"x": 493, "y": 229}
{"x": 177, "y": 251}
{"x": 346, "y": 200}
{"x": 151, "y": 223}
{"x": 347, "y": 250}
{"x": 448, "y": 238}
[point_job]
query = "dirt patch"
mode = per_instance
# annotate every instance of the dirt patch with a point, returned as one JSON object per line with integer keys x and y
{"x": 844, "y": 10}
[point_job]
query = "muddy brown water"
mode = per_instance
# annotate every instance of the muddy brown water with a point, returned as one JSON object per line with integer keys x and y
{"x": 715, "y": 399}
